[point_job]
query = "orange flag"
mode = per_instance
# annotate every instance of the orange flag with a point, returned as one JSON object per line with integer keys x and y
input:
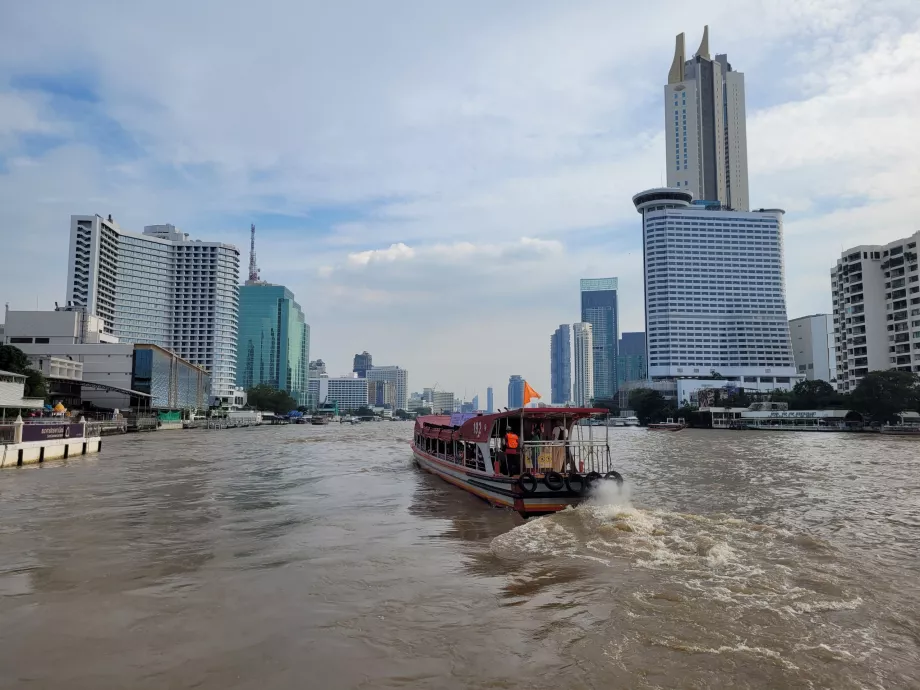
{"x": 529, "y": 393}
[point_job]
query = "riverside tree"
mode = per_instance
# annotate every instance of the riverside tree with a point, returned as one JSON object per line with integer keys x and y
{"x": 882, "y": 395}
{"x": 16, "y": 361}
{"x": 267, "y": 398}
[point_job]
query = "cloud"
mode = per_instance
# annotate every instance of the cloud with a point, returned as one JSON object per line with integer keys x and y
{"x": 395, "y": 252}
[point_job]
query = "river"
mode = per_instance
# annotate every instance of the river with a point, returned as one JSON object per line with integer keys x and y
{"x": 321, "y": 557}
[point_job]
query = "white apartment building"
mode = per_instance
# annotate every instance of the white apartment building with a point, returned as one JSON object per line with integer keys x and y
{"x": 813, "y": 347}
{"x": 398, "y": 377}
{"x": 162, "y": 288}
{"x": 583, "y": 351}
{"x": 705, "y": 127}
{"x": 715, "y": 295}
{"x": 349, "y": 392}
{"x": 876, "y": 296}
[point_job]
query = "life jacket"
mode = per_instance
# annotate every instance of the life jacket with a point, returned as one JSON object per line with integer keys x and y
{"x": 511, "y": 440}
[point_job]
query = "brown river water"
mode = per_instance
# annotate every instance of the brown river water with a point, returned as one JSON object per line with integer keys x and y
{"x": 321, "y": 557}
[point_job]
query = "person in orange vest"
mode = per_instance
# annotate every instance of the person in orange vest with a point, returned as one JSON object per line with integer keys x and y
{"x": 512, "y": 443}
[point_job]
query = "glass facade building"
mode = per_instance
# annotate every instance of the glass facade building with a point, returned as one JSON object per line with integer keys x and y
{"x": 273, "y": 345}
{"x": 631, "y": 364}
{"x": 560, "y": 364}
{"x": 515, "y": 392}
{"x": 599, "y": 308}
{"x": 172, "y": 382}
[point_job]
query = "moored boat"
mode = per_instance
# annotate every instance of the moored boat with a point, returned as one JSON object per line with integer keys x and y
{"x": 554, "y": 466}
{"x": 319, "y": 419}
{"x": 669, "y": 425}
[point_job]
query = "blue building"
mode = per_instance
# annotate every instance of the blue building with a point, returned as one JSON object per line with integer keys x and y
{"x": 599, "y": 308}
{"x": 273, "y": 346}
{"x": 515, "y": 392}
{"x": 560, "y": 365}
{"x": 631, "y": 360}
{"x": 490, "y": 400}
{"x": 475, "y": 403}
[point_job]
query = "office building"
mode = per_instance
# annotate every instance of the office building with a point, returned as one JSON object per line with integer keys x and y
{"x": 490, "y": 400}
{"x": 273, "y": 343}
{"x": 398, "y": 376}
{"x": 715, "y": 295}
{"x": 813, "y": 347}
{"x": 317, "y": 369}
{"x": 349, "y": 393}
{"x": 162, "y": 288}
{"x": 599, "y": 308}
{"x": 417, "y": 402}
{"x": 876, "y": 296}
{"x": 515, "y": 392}
{"x": 362, "y": 363}
{"x": 475, "y": 402}
{"x": 440, "y": 402}
{"x": 560, "y": 365}
{"x": 381, "y": 394}
{"x": 631, "y": 364}
{"x": 583, "y": 347}
{"x": 705, "y": 128}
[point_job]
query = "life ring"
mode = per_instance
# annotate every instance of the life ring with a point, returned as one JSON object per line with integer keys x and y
{"x": 553, "y": 480}
{"x": 575, "y": 483}
{"x": 528, "y": 483}
{"x": 612, "y": 474}
{"x": 591, "y": 479}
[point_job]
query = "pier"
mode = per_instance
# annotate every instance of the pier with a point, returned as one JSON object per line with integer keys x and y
{"x": 23, "y": 443}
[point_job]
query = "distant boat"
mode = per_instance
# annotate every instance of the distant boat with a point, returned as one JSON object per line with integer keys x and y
{"x": 619, "y": 422}
{"x": 902, "y": 430}
{"x": 319, "y": 419}
{"x": 669, "y": 425}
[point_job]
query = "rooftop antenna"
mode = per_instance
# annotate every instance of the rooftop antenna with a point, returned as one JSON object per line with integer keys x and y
{"x": 253, "y": 269}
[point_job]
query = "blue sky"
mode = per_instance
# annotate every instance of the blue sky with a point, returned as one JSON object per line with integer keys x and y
{"x": 432, "y": 179}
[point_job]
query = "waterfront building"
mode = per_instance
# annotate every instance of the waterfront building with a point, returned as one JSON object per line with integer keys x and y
{"x": 381, "y": 394}
{"x": 560, "y": 365}
{"x": 162, "y": 288}
{"x": 398, "y": 376}
{"x": 705, "y": 127}
{"x": 583, "y": 346}
{"x": 442, "y": 402}
{"x": 515, "y": 392}
{"x": 715, "y": 297}
{"x": 362, "y": 363}
{"x": 631, "y": 363}
{"x": 813, "y": 347}
{"x": 416, "y": 402}
{"x": 599, "y": 308}
{"x": 347, "y": 393}
{"x": 273, "y": 344}
{"x": 876, "y": 297}
{"x": 490, "y": 400}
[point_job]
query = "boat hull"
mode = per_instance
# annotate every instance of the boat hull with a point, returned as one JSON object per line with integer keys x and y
{"x": 498, "y": 490}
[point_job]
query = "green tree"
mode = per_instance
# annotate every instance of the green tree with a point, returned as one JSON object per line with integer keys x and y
{"x": 14, "y": 360}
{"x": 365, "y": 412}
{"x": 608, "y": 404}
{"x": 882, "y": 395}
{"x": 814, "y": 395}
{"x": 422, "y": 411}
{"x": 269, "y": 399}
{"x": 650, "y": 406}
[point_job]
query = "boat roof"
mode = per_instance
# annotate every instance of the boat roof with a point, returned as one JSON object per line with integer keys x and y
{"x": 478, "y": 427}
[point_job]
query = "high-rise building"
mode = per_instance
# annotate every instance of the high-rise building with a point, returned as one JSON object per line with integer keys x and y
{"x": 515, "y": 392}
{"x": 599, "y": 308}
{"x": 398, "y": 376}
{"x": 317, "y": 368}
{"x": 475, "y": 402}
{"x": 813, "y": 347}
{"x": 162, "y": 288}
{"x": 348, "y": 392}
{"x": 490, "y": 400}
{"x": 876, "y": 295}
{"x": 560, "y": 365}
{"x": 362, "y": 363}
{"x": 381, "y": 394}
{"x": 441, "y": 402}
{"x": 631, "y": 364}
{"x": 273, "y": 345}
{"x": 583, "y": 346}
{"x": 715, "y": 296}
{"x": 705, "y": 130}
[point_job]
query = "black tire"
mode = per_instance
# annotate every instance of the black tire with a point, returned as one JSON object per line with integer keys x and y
{"x": 575, "y": 483}
{"x": 527, "y": 483}
{"x": 591, "y": 479}
{"x": 616, "y": 476}
{"x": 553, "y": 480}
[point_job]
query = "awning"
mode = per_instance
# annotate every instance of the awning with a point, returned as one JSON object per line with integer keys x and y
{"x": 102, "y": 387}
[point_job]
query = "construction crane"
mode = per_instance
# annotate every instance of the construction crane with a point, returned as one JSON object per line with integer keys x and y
{"x": 253, "y": 269}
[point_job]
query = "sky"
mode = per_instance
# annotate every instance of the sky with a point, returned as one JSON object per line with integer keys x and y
{"x": 431, "y": 179}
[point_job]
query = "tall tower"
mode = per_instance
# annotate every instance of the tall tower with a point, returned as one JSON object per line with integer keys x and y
{"x": 599, "y": 308}
{"x": 584, "y": 364}
{"x": 705, "y": 130}
{"x": 560, "y": 358}
{"x": 253, "y": 268}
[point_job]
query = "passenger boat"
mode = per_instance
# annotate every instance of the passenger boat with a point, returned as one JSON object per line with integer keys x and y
{"x": 319, "y": 419}
{"x": 557, "y": 463}
{"x": 669, "y": 425}
{"x": 901, "y": 430}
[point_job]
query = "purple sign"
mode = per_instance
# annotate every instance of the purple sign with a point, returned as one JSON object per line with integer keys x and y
{"x": 47, "y": 432}
{"x": 457, "y": 418}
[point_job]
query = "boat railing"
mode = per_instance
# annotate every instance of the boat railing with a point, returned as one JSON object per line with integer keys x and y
{"x": 584, "y": 455}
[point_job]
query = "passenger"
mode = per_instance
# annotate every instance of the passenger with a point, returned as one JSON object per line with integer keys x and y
{"x": 560, "y": 434}
{"x": 512, "y": 442}
{"x": 535, "y": 449}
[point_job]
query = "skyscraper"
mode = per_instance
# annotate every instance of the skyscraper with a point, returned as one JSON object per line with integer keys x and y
{"x": 273, "y": 346}
{"x": 362, "y": 363}
{"x": 813, "y": 347}
{"x": 705, "y": 130}
{"x": 490, "y": 400}
{"x": 159, "y": 287}
{"x": 631, "y": 363}
{"x": 398, "y": 376}
{"x": 475, "y": 402}
{"x": 584, "y": 364}
{"x": 560, "y": 365}
{"x": 515, "y": 392}
{"x": 599, "y": 308}
{"x": 715, "y": 295}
